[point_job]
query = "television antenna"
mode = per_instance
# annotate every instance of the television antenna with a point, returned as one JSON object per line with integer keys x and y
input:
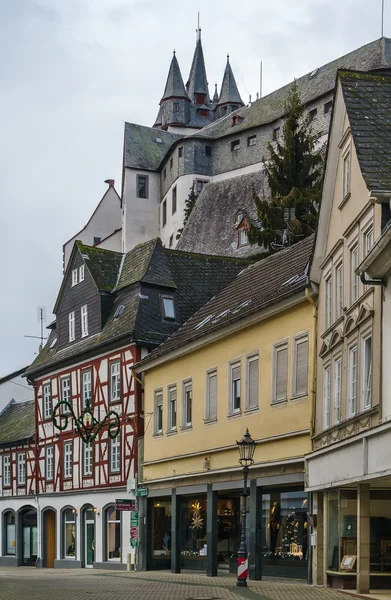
{"x": 41, "y": 314}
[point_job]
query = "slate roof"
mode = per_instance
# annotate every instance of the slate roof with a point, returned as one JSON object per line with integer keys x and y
{"x": 174, "y": 84}
{"x": 229, "y": 90}
{"x": 211, "y": 226}
{"x": 141, "y": 148}
{"x": 17, "y": 422}
{"x": 198, "y": 83}
{"x": 148, "y": 271}
{"x": 260, "y": 285}
{"x": 368, "y": 103}
{"x": 375, "y": 55}
{"x": 102, "y": 264}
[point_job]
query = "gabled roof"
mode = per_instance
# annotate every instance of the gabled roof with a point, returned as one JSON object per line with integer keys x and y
{"x": 102, "y": 264}
{"x": 321, "y": 81}
{"x": 260, "y": 285}
{"x": 12, "y": 375}
{"x": 174, "y": 84}
{"x": 147, "y": 271}
{"x": 146, "y": 263}
{"x": 368, "y": 103}
{"x": 145, "y": 147}
{"x": 229, "y": 92}
{"x": 198, "y": 83}
{"x": 17, "y": 422}
{"x": 211, "y": 226}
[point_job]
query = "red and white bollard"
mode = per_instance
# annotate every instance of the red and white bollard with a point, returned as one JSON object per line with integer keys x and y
{"x": 243, "y": 570}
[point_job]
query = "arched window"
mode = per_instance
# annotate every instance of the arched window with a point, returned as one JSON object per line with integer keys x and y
{"x": 113, "y": 534}
{"x": 69, "y": 533}
{"x": 9, "y": 533}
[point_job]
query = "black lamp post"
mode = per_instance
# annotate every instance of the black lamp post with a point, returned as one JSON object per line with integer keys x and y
{"x": 246, "y": 448}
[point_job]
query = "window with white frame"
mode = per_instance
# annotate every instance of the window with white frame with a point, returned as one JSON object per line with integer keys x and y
{"x": 70, "y": 533}
{"x": 68, "y": 451}
{"x": 366, "y": 383}
{"x": 87, "y": 459}
{"x": 352, "y": 381}
{"x": 252, "y": 382}
{"x": 211, "y": 396}
{"x": 65, "y": 392}
{"x": 353, "y": 276}
{"x": 115, "y": 454}
{"x": 187, "y": 403}
{"x": 158, "y": 413}
{"x": 300, "y": 366}
{"x": 113, "y": 517}
{"x": 280, "y": 372}
{"x": 235, "y": 386}
{"x": 326, "y": 396}
{"x": 74, "y": 277}
{"x": 21, "y": 468}
{"x": 49, "y": 463}
{"x": 168, "y": 307}
{"x": 328, "y": 301}
{"x": 337, "y": 389}
{"x": 339, "y": 290}
{"x": 368, "y": 240}
{"x": 172, "y": 396}
{"x": 6, "y": 470}
{"x": 243, "y": 238}
{"x": 84, "y": 321}
{"x": 346, "y": 175}
{"x": 81, "y": 273}
{"x": 115, "y": 382}
{"x": 71, "y": 326}
{"x": 86, "y": 388}
{"x": 47, "y": 401}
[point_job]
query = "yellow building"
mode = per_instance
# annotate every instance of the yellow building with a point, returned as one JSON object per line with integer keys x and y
{"x": 243, "y": 361}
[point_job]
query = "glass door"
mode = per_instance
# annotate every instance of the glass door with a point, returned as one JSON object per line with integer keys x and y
{"x": 89, "y": 536}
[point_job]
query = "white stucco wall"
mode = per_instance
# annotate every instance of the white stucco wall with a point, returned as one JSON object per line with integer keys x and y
{"x": 140, "y": 215}
{"x": 106, "y": 218}
{"x": 113, "y": 242}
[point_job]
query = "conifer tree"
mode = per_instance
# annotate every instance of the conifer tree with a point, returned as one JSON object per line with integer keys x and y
{"x": 294, "y": 170}
{"x": 189, "y": 205}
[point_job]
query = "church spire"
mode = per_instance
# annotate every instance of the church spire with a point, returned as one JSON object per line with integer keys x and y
{"x": 174, "y": 84}
{"x": 197, "y": 85}
{"x": 229, "y": 93}
{"x": 215, "y": 95}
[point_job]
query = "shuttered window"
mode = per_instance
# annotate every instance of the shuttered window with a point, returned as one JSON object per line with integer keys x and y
{"x": 234, "y": 405}
{"x": 300, "y": 366}
{"x": 252, "y": 382}
{"x": 158, "y": 416}
{"x": 211, "y": 396}
{"x": 171, "y": 408}
{"x": 280, "y": 372}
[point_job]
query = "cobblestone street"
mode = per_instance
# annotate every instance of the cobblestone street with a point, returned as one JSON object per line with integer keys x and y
{"x": 32, "y": 584}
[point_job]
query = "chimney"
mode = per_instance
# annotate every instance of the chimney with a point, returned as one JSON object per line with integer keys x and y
{"x": 110, "y": 182}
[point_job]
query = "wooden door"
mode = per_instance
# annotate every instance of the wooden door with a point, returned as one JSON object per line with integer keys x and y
{"x": 50, "y": 538}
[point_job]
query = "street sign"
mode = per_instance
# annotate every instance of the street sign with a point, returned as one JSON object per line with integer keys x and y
{"x": 134, "y": 533}
{"x": 142, "y": 491}
{"x": 125, "y": 504}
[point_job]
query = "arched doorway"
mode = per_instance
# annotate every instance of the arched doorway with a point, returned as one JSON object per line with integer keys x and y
{"x": 29, "y": 536}
{"x": 49, "y": 538}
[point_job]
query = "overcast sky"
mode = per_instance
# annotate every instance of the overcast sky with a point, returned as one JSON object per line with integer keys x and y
{"x": 71, "y": 73}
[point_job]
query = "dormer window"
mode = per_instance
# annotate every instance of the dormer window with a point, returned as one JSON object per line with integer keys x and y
{"x": 243, "y": 238}
{"x": 74, "y": 277}
{"x": 200, "y": 98}
{"x": 168, "y": 307}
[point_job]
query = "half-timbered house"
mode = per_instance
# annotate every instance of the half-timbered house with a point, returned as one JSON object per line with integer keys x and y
{"x": 110, "y": 311}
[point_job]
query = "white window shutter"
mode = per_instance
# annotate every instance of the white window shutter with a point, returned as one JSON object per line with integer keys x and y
{"x": 253, "y": 378}
{"x": 281, "y": 373}
{"x": 301, "y": 367}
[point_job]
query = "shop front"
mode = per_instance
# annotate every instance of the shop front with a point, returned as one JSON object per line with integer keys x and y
{"x": 201, "y": 530}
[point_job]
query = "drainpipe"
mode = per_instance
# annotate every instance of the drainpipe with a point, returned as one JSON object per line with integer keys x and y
{"x": 313, "y": 360}
{"x": 366, "y": 281}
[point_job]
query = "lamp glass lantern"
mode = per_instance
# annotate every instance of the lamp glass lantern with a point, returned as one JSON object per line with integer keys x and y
{"x": 246, "y": 448}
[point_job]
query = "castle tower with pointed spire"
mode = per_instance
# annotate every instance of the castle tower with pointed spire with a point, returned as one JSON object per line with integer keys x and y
{"x": 185, "y": 109}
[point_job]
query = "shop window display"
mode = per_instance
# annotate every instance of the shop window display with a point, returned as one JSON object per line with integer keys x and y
{"x": 284, "y": 521}
{"x": 228, "y": 527}
{"x": 10, "y": 535}
{"x": 380, "y": 531}
{"x": 161, "y": 528}
{"x": 193, "y": 527}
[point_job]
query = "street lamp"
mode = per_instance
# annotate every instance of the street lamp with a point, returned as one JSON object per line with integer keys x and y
{"x": 246, "y": 448}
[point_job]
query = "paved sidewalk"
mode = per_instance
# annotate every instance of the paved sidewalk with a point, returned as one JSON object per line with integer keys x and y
{"x": 79, "y": 584}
